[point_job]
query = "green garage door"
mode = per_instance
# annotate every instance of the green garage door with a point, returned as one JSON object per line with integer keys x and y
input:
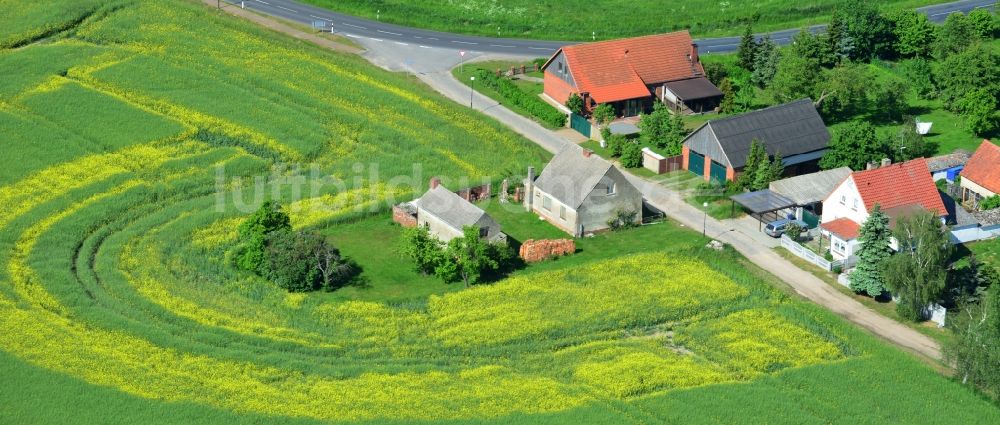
{"x": 696, "y": 164}
{"x": 718, "y": 172}
{"x": 580, "y": 124}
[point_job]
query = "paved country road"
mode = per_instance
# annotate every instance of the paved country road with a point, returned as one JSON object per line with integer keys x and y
{"x": 355, "y": 27}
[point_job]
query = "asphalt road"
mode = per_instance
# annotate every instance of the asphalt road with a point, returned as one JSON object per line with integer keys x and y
{"x": 355, "y": 27}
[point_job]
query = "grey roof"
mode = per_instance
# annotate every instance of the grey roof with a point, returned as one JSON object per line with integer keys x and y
{"x": 790, "y": 129}
{"x": 763, "y": 201}
{"x": 811, "y": 188}
{"x": 944, "y": 162}
{"x": 694, "y": 88}
{"x": 449, "y": 207}
{"x": 571, "y": 176}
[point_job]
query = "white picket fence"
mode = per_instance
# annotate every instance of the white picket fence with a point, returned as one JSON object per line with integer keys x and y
{"x": 808, "y": 255}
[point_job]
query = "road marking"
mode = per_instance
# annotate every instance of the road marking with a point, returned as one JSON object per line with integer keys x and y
{"x": 431, "y": 38}
{"x": 462, "y": 42}
{"x": 352, "y": 36}
{"x": 424, "y": 47}
{"x": 317, "y": 17}
{"x": 262, "y": 1}
{"x": 402, "y": 44}
{"x": 539, "y": 48}
{"x": 500, "y": 45}
{"x": 417, "y": 36}
{"x": 387, "y": 32}
{"x": 355, "y": 26}
{"x": 377, "y": 39}
{"x": 290, "y": 10}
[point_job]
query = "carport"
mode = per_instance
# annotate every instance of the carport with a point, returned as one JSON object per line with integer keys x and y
{"x": 763, "y": 205}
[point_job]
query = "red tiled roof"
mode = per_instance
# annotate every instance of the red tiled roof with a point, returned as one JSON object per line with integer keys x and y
{"x": 621, "y": 69}
{"x": 845, "y": 228}
{"x": 898, "y": 185}
{"x": 984, "y": 167}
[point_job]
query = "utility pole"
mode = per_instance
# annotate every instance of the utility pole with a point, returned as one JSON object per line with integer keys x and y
{"x": 472, "y": 92}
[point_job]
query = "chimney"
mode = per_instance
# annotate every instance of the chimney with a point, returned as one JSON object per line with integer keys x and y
{"x": 529, "y": 189}
{"x": 587, "y": 153}
{"x": 435, "y": 182}
{"x": 871, "y": 166}
{"x": 886, "y": 162}
{"x": 693, "y": 56}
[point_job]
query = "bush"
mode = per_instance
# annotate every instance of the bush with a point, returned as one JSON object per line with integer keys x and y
{"x": 604, "y": 113}
{"x": 631, "y": 154}
{"x": 622, "y": 219}
{"x": 794, "y": 231}
{"x": 253, "y": 233}
{"x": 513, "y": 94}
{"x": 575, "y": 104}
{"x": 990, "y": 203}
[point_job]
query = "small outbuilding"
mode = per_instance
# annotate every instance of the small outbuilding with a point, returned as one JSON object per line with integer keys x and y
{"x": 981, "y": 176}
{"x": 808, "y": 192}
{"x": 446, "y": 215}
{"x": 947, "y": 167}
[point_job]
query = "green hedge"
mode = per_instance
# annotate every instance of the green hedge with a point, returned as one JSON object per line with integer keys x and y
{"x": 513, "y": 94}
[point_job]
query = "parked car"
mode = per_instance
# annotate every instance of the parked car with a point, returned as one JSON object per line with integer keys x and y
{"x": 777, "y": 228}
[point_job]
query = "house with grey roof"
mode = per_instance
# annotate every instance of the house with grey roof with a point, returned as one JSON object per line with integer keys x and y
{"x": 445, "y": 214}
{"x": 718, "y": 149}
{"x": 580, "y": 192}
{"x": 808, "y": 192}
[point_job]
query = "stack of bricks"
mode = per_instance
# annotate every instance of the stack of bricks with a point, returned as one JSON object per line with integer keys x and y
{"x": 533, "y": 251}
{"x": 404, "y": 217}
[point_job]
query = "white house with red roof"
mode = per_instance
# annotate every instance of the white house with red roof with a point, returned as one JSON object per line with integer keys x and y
{"x": 632, "y": 73}
{"x": 981, "y": 175}
{"x": 898, "y": 189}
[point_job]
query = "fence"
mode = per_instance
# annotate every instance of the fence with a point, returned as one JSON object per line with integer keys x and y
{"x": 814, "y": 258}
{"x": 659, "y": 164}
{"x": 974, "y": 233}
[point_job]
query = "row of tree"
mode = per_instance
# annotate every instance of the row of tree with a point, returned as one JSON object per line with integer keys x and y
{"x": 298, "y": 261}
{"x": 465, "y": 259}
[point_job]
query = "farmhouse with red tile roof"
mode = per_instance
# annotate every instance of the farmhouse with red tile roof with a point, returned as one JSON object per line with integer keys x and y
{"x": 981, "y": 175}
{"x": 632, "y": 73}
{"x": 898, "y": 189}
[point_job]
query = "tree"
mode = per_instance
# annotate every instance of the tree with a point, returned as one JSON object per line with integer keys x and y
{"x": 920, "y": 75}
{"x": 305, "y": 261}
{"x": 253, "y": 236}
{"x": 955, "y": 35}
{"x": 979, "y": 109}
{"x": 603, "y": 114}
{"x": 747, "y": 52}
{"x": 575, "y": 104}
{"x": 890, "y": 96}
{"x": 631, "y": 154}
{"x": 662, "y": 129}
{"x": 843, "y": 91}
{"x": 334, "y": 269}
{"x": 796, "y": 78}
{"x": 837, "y": 45}
{"x": 869, "y": 32}
{"x": 915, "y": 34}
{"x": 467, "y": 258}
{"x": 911, "y": 143}
{"x": 917, "y": 274}
{"x": 854, "y": 146}
{"x": 765, "y": 62}
{"x": 986, "y": 24}
{"x": 715, "y": 72}
{"x": 616, "y": 144}
{"x": 425, "y": 250}
{"x": 977, "y": 67}
{"x": 760, "y": 171}
{"x": 976, "y": 347}
{"x": 867, "y": 276}
{"x": 728, "y": 104}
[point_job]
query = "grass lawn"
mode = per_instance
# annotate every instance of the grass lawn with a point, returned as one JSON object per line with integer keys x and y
{"x": 603, "y": 19}
{"x": 987, "y": 251}
{"x": 887, "y": 309}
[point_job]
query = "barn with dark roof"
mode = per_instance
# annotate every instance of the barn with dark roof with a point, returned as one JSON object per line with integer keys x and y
{"x": 718, "y": 149}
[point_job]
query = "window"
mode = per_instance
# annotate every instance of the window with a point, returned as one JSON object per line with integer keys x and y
{"x": 843, "y": 200}
{"x": 562, "y": 213}
{"x": 560, "y": 67}
{"x": 839, "y": 246}
{"x": 484, "y": 232}
{"x": 855, "y": 207}
{"x": 611, "y": 188}
{"x": 547, "y": 203}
